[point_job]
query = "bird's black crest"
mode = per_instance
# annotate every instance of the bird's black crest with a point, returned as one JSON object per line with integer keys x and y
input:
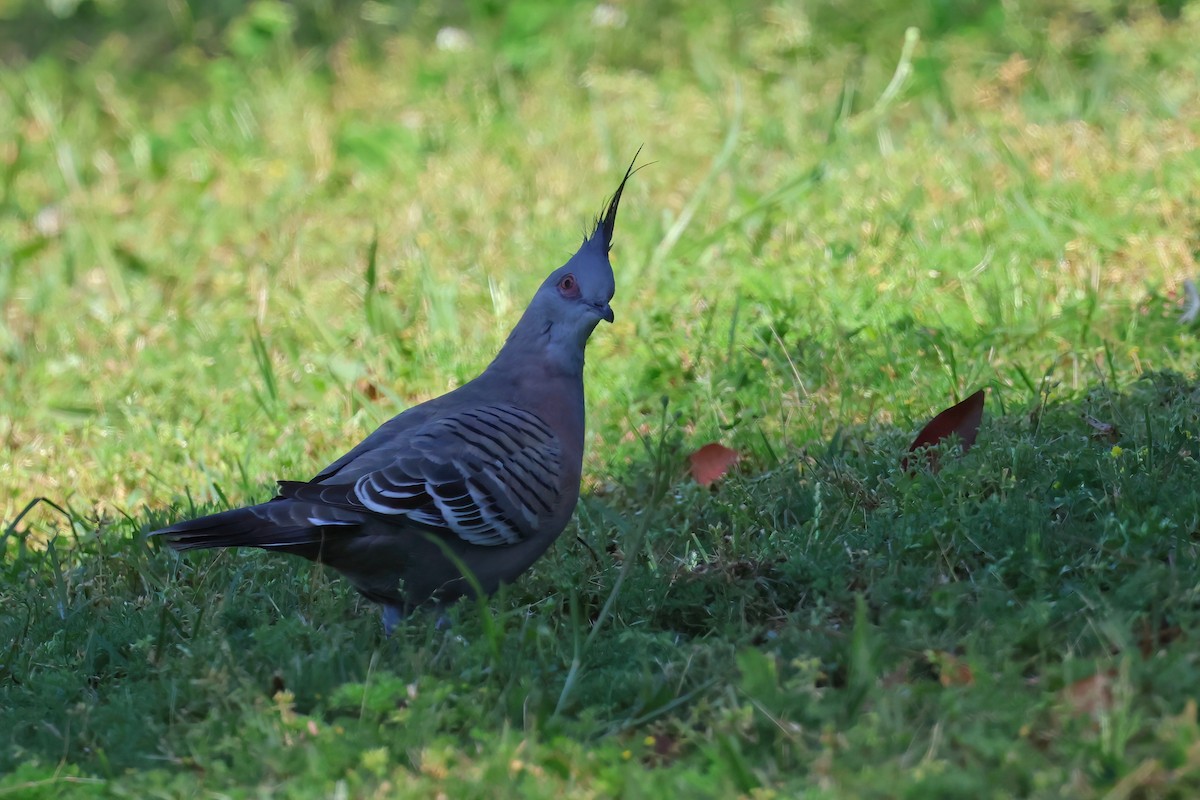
{"x": 607, "y": 222}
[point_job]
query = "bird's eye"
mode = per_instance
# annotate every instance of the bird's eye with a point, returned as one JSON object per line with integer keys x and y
{"x": 568, "y": 286}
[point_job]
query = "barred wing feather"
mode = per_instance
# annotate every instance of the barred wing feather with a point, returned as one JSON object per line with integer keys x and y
{"x": 487, "y": 475}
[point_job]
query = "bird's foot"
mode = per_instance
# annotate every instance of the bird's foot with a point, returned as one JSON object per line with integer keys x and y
{"x": 392, "y": 616}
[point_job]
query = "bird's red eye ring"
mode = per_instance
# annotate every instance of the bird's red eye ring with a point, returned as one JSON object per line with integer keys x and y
{"x": 568, "y": 286}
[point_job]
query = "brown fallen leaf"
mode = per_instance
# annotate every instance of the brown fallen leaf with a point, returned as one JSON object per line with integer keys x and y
{"x": 961, "y": 419}
{"x": 710, "y": 463}
{"x": 951, "y": 670}
{"x": 662, "y": 749}
{"x": 933, "y": 665}
{"x": 898, "y": 676}
{"x": 1153, "y": 638}
{"x": 368, "y": 389}
{"x": 1091, "y": 696}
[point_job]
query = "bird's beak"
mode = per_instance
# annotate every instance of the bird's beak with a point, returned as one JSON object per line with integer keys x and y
{"x": 604, "y": 310}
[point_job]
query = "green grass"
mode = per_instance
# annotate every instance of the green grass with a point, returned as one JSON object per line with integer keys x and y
{"x": 231, "y": 245}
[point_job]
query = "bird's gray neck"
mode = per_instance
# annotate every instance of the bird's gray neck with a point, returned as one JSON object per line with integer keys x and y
{"x": 536, "y": 347}
{"x": 545, "y": 377}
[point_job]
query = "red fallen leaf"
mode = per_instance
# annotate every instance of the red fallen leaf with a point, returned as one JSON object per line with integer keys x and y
{"x": 962, "y": 419}
{"x": 711, "y": 462}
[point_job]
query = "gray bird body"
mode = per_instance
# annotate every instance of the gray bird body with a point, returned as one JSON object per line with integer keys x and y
{"x": 485, "y": 477}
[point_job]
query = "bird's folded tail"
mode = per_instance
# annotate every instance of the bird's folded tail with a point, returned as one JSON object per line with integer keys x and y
{"x": 279, "y": 525}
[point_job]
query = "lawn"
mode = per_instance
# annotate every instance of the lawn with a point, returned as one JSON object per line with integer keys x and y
{"x": 236, "y": 237}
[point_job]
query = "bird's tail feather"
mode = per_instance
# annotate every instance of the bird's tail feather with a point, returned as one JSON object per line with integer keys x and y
{"x": 269, "y": 526}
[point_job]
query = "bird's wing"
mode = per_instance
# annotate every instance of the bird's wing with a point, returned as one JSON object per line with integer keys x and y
{"x": 489, "y": 475}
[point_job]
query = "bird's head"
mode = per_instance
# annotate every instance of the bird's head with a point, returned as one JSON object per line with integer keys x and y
{"x": 574, "y": 298}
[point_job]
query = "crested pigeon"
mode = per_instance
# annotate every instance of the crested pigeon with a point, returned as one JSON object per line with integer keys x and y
{"x": 482, "y": 479}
